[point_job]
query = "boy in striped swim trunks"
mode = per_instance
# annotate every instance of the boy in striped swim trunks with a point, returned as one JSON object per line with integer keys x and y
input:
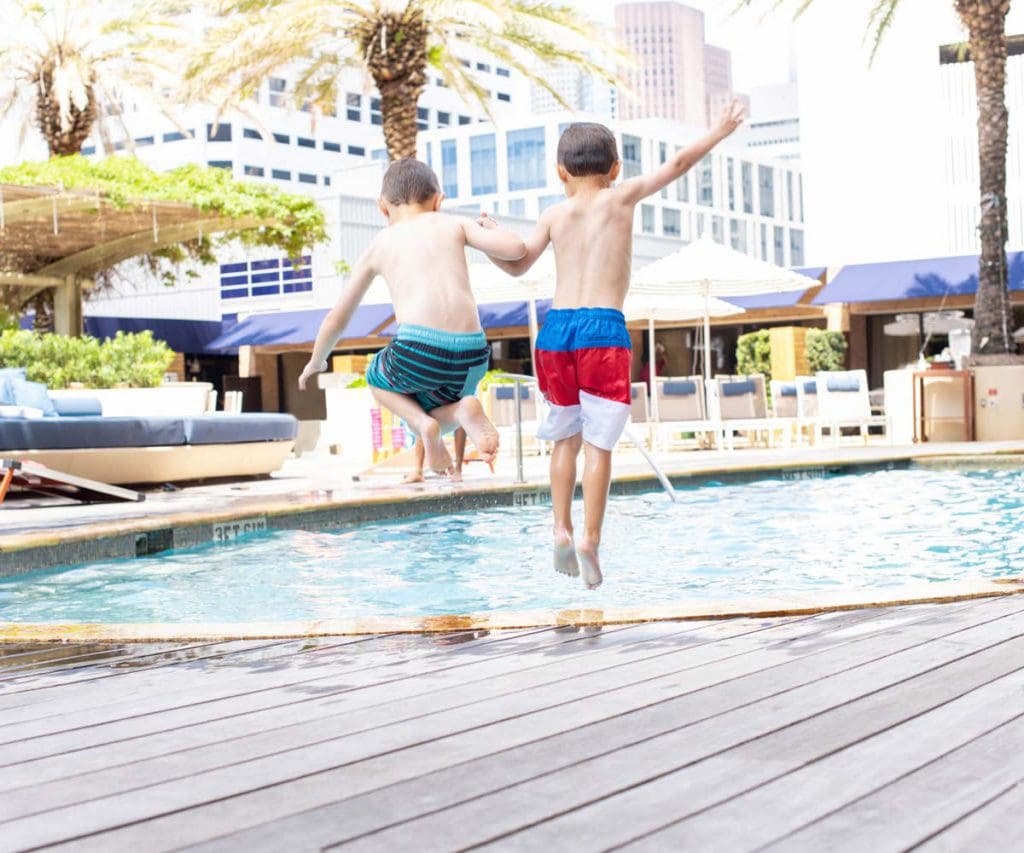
{"x": 583, "y": 352}
{"x": 428, "y": 374}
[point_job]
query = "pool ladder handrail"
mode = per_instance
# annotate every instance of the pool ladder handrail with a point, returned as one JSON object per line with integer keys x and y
{"x": 519, "y": 379}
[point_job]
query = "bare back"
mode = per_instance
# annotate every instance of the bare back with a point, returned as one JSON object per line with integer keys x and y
{"x": 423, "y": 261}
{"x": 592, "y": 235}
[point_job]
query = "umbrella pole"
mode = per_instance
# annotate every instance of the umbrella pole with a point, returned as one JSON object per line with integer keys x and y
{"x": 707, "y": 337}
{"x": 652, "y": 366}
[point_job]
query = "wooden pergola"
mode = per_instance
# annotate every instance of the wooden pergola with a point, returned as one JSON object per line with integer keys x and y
{"x": 61, "y": 239}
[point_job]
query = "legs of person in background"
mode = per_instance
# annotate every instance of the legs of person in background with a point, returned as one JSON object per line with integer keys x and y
{"x": 416, "y": 475}
{"x": 426, "y": 427}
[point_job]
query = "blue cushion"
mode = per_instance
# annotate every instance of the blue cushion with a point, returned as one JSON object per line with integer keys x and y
{"x": 679, "y": 389}
{"x": 7, "y": 374}
{"x": 31, "y": 394}
{"x": 787, "y": 390}
{"x": 89, "y": 431}
{"x": 238, "y": 429}
{"x": 810, "y": 387}
{"x": 508, "y": 392}
{"x": 843, "y": 382}
{"x": 738, "y": 389}
{"x": 77, "y": 407}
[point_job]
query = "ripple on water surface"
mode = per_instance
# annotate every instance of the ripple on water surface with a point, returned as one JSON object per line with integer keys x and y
{"x": 769, "y": 537}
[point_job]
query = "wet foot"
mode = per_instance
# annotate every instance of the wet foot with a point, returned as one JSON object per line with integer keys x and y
{"x": 436, "y": 455}
{"x": 471, "y": 417}
{"x": 565, "y": 555}
{"x": 414, "y": 477}
{"x": 455, "y": 476}
{"x": 590, "y": 565}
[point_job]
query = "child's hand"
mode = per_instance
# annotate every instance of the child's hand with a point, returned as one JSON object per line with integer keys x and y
{"x": 486, "y": 220}
{"x": 310, "y": 370}
{"x": 731, "y": 118}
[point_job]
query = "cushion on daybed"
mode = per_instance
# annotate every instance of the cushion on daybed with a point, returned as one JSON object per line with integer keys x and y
{"x": 81, "y": 433}
{"x": 77, "y": 407}
{"x": 238, "y": 429}
{"x": 738, "y": 388}
{"x": 30, "y": 394}
{"x": 683, "y": 388}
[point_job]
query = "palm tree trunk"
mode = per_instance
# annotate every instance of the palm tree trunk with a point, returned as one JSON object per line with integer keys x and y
{"x": 985, "y": 21}
{"x": 61, "y": 139}
{"x": 398, "y": 100}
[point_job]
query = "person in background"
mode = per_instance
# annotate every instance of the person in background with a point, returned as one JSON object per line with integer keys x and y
{"x": 660, "y": 363}
{"x": 416, "y": 476}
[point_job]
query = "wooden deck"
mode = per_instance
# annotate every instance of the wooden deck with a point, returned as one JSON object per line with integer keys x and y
{"x": 865, "y": 730}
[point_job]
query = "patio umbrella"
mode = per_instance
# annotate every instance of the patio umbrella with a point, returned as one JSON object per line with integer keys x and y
{"x": 671, "y": 306}
{"x": 708, "y": 269}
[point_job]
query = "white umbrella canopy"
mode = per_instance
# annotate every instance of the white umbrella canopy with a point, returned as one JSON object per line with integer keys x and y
{"x": 708, "y": 269}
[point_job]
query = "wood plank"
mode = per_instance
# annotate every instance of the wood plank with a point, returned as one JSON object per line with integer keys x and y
{"x": 910, "y": 810}
{"x": 777, "y": 808}
{"x": 424, "y": 747}
{"x": 986, "y": 828}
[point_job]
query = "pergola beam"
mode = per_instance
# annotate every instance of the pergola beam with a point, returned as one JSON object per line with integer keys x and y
{"x": 31, "y": 209}
{"x": 36, "y": 280}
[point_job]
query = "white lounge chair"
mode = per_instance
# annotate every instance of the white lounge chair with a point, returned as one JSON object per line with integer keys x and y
{"x": 796, "y": 401}
{"x": 843, "y": 401}
{"x": 681, "y": 410}
{"x": 501, "y": 404}
{"x": 740, "y": 403}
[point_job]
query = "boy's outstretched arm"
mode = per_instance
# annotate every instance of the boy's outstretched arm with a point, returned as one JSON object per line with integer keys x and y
{"x": 497, "y": 243}
{"x": 536, "y": 243}
{"x": 338, "y": 317}
{"x": 683, "y": 160}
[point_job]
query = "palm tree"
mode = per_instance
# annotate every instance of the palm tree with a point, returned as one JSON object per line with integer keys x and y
{"x": 71, "y": 66}
{"x": 985, "y": 22}
{"x": 395, "y": 41}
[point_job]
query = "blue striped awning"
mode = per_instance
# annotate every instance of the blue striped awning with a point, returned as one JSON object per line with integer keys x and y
{"x": 499, "y": 315}
{"x": 777, "y": 300}
{"x": 917, "y": 279}
{"x": 297, "y": 327}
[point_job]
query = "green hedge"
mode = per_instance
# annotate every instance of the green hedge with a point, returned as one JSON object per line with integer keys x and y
{"x": 754, "y": 354}
{"x": 136, "y": 360}
{"x": 825, "y": 351}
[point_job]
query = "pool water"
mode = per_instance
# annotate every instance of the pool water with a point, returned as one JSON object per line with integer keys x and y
{"x": 768, "y": 537}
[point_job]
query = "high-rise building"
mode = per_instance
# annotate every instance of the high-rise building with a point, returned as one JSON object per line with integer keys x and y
{"x": 717, "y": 79}
{"x": 668, "y": 81}
{"x": 581, "y": 90}
{"x": 773, "y": 126}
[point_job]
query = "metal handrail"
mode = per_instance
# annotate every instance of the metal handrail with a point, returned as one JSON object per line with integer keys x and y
{"x": 519, "y": 379}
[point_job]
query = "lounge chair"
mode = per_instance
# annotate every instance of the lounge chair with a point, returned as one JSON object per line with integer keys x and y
{"x": 844, "y": 401}
{"x": 501, "y": 406}
{"x": 741, "y": 405}
{"x": 681, "y": 410}
{"x": 796, "y": 400}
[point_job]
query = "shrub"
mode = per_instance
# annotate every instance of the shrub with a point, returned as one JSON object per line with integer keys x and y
{"x": 132, "y": 359}
{"x": 754, "y": 354}
{"x": 825, "y": 350}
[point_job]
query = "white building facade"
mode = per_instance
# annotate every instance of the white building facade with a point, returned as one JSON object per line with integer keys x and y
{"x": 742, "y": 199}
{"x": 773, "y": 125}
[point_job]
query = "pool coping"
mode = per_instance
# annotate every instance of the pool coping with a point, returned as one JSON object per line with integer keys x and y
{"x": 147, "y": 535}
{"x": 791, "y": 605}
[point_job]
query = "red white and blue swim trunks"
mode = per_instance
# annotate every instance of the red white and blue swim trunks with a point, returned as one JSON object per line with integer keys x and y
{"x": 583, "y": 369}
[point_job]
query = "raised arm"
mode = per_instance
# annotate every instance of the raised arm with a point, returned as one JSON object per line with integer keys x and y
{"x": 499, "y": 244}
{"x": 338, "y": 317}
{"x": 536, "y": 243}
{"x": 683, "y": 160}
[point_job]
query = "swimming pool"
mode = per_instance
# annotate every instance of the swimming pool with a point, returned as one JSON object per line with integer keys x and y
{"x": 762, "y": 538}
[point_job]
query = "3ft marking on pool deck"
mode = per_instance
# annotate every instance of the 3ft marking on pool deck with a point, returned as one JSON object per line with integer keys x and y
{"x": 226, "y": 531}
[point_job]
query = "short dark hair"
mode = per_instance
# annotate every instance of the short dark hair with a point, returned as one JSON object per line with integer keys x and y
{"x": 587, "y": 148}
{"x": 408, "y": 181}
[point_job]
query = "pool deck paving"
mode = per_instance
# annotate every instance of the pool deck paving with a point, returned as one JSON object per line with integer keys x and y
{"x": 883, "y": 730}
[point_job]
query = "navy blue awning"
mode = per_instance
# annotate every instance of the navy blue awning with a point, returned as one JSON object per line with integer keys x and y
{"x": 191, "y": 336}
{"x": 777, "y": 300}
{"x": 918, "y": 279}
{"x": 297, "y": 327}
{"x": 499, "y": 315}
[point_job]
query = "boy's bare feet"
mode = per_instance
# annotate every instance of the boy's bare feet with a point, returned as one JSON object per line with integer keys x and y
{"x": 565, "y": 554}
{"x": 470, "y": 415}
{"x": 414, "y": 477}
{"x": 590, "y": 565}
{"x": 436, "y": 454}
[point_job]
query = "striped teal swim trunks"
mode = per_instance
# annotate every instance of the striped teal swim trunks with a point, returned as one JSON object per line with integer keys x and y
{"x": 434, "y": 367}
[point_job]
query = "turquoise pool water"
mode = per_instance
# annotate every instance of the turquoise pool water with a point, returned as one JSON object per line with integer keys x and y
{"x": 719, "y": 541}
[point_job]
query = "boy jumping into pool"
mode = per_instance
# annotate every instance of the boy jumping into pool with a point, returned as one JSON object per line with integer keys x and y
{"x": 583, "y": 351}
{"x": 428, "y": 374}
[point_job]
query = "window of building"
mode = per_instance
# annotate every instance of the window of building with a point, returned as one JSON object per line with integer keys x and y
{"x": 464, "y": 120}
{"x": 647, "y": 218}
{"x": 631, "y": 165}
{"x": 738, "y": 235}
{"x": 380, "y": 154}
{"x": 766, "y": 190}
{"x": 430, "y": 154}
{"x": 278, "y": 85}
{"x": 747, "y": 181}
{"x": 502, "y": 72}
{"x": 444, "y": 119}
{"x": 505, "y": 96}
{"x": 333, "y": 147}
{"x": 483, "y": 66}
{"x": 545, "y": 201}
{"x": 327, "y": 180}
{"x": 89, "y": 150}
{"x": 717, "y": 229}
{"x": 376, "y": 116}
{"x": 671, "y": 222}
{"x": 662, "y": 159}
{"x": 483, "y": 164}
{"x": 305, "y": 142}
{"x": 357, "y": 150}
{"x": 353, "y": 106}
{"x": 764, "y": 241}
{"x": 731, "y": 182}
{"x": 176, "y": 136}
{"x": 705, "y": 182}
{"x": 790, "y": 210}
{"x": 449, "y": 168}
{"x": 517, "y": 207}
{"x": 254, "y": 171}
{"x": 683, "y": 187}
{"x": 422, "y": 118}
{"x": 306, "y": 178}
{"x": 218, "y": 132}
{"x": 800, "y": 194}
{"x": 251, "y": 133}
{"x": 220, "y": 164}
{"x": 143, "y": 141}
{"x": 280, "y": 174}
{"x": 282, "y": 138}
{"x": 466, "y": 63}
{"x": 780, "y": 246}
{"x": 527, "y": 168}
{"x": 796, "y": 246}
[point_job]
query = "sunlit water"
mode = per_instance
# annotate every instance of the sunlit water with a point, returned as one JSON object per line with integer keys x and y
{"x": 764, "y": 538}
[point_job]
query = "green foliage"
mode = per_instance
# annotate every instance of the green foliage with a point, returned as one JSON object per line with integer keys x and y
{"x": 8, "y": 319}
{"x": 133, "y": 359}
{"x": 493, "y": 377}
{"x": 754, "y": 354}
{"x": 825, "y": 350}
{"x": 292, "y": 222}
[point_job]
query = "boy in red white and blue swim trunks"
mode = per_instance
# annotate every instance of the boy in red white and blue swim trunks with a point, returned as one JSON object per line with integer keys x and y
{"x": 583, "y": 351}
